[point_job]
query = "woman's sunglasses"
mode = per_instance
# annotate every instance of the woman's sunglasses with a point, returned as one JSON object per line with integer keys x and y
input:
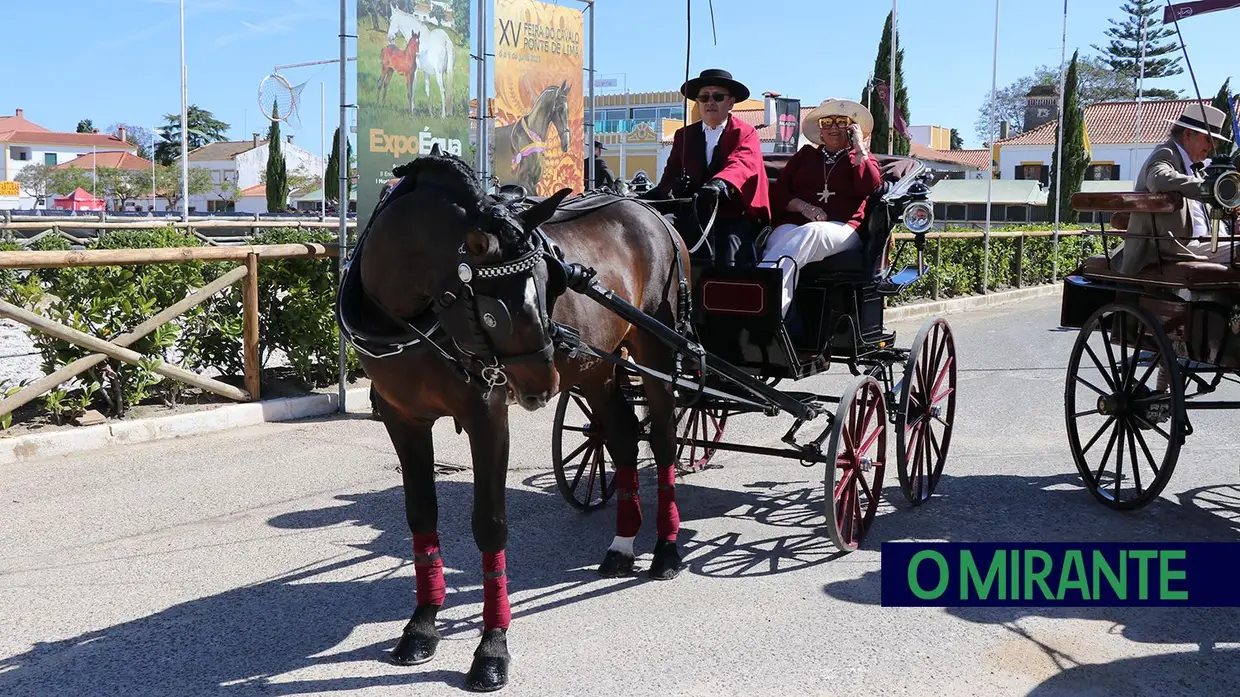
{"x": 715, "y": 96}
{"x": 840, "y": 122}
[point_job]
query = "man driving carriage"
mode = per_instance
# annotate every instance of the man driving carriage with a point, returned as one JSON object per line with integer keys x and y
{"x": 1176, "y": 166}
{"x": 820, "y": 196}
{"x": 721, "y": 157}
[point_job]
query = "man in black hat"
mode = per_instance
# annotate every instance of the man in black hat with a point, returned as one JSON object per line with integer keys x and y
{"x": 721, "y": 157}
{"x": 603, "y": 178}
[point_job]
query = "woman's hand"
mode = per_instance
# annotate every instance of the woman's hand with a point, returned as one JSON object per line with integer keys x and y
{"x": 814, "y": 213}
{"x": 857, "y": 140}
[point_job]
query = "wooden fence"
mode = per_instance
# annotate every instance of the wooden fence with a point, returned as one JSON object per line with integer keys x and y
{"x": 248, "y": 258}
{"x": 62, "y": 227}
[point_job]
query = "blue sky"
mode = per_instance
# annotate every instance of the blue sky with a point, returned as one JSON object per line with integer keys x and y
{"x": 118, "y": 60}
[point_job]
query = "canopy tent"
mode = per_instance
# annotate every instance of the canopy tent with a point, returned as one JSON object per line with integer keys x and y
{"x": 79, "y": 200}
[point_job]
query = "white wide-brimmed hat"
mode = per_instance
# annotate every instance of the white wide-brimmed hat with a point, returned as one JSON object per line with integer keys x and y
{"x": 1211, "y": 124}
{"x": 836, "y": 107}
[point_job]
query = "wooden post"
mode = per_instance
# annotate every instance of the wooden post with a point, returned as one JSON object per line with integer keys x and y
{"x": 249, "y": 308}
{"x": 81, "y": 365}
{"x": 73, "y": 336}
{"x": 1020, "y": 261}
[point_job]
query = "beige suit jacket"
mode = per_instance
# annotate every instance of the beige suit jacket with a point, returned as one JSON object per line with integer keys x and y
{"x": 1151, "y": 235}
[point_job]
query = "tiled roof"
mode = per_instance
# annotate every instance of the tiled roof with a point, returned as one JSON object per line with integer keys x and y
{"x": 222, "y": 150}
{"x": 82, "y": 140}
{"x": 977, "y": 159}
{"x": 17, "y": 122}
{"x": 256, "y": 190}
{"x": 116, "y": 160}
{"x": 1113, "y": 123}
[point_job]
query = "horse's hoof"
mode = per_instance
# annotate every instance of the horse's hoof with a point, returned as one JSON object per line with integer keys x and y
{"x": 616, "y": 563}
{"x": 666, "y": 564}
{"x": 489, "y": 671}
{"x": 419, "y": 640}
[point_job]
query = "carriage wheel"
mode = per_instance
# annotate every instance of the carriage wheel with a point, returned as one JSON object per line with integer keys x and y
{"x": 1112, "y": 391}
{"x": 927, "y": 403}
{"x": 855, "y": 463}
{"x": 584, "y": 472}
{"x": 697, "y": 423}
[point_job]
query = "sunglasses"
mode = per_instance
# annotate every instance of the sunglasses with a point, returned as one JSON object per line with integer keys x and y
{"x": 840, "y": 122}
{"x": 712, "y": 96}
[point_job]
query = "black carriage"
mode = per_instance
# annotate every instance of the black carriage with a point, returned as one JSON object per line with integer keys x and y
{"x": 1151, "y": 345}
{"x": 737, "y": 320}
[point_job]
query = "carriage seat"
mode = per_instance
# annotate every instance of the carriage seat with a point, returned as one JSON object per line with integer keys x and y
{"x": 1194, "y": 275}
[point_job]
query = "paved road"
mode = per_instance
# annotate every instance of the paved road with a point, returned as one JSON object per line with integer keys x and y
{"x": 274, "y": 561}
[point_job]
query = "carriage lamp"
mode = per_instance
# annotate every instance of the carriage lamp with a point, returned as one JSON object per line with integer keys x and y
{"x": 1227, "y": 190}
{"x": 918, "y": 217}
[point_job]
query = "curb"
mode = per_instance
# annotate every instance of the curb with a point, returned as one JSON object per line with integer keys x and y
{"x": 969, "y": 302}
{"x": 44, "y": 445}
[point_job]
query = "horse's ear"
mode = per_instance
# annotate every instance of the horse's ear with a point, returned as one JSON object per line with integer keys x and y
{"x": 435, "y": 150}
{"x": 541, "y": 212}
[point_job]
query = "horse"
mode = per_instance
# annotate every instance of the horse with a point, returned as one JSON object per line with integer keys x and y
{"x": 436, "y": 55}
{"x": 456, "y": 302}
{"x": 395, "y": 60}
{"x": 520, "y": 144}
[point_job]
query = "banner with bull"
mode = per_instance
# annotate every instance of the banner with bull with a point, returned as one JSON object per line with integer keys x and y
{"x": 539, "y": 110}
{"x": 413, "y": 87}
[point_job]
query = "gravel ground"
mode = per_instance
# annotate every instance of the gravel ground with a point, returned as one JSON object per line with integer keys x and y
{"x": 18, "y": 359}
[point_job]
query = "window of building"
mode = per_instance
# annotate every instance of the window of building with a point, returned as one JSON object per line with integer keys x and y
{"x": 49, "y": 158}
{"x": 1038, "y": 172}
{"x": 1102, "y": 172}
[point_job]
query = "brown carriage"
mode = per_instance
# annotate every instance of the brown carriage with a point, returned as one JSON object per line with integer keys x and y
{"x": 1151, "y": 346}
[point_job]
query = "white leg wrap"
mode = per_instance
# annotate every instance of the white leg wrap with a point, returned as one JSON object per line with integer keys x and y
{"x": 624, "y": 545}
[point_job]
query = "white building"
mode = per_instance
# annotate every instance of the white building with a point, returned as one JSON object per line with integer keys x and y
{"x": 23, "y": 143}
{"x": 1117, "y": 151}
{"x": 244, "y": 163}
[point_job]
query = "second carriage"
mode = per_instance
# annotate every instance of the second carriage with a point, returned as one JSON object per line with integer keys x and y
{"x": 840, "y": 303}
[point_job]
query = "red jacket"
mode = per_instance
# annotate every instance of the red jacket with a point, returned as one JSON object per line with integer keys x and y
{"x": 737, "y": 161}
{"x": 852, "y": 183}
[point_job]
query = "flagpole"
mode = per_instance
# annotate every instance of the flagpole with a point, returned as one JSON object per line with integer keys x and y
{"x": 184, "y": 127}
{"x": 990, "y": 181}
{"x": 891, "y": 108}
{"x": 1063, "y": 81}
{"x": 1136, "y": 136}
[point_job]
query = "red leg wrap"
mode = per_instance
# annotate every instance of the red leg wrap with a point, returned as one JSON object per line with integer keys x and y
{"x": 628, "y": 503}
{"x": 495, "y": 611}
{"x": 428, "y": 567}
{"x": 669, "y": 516}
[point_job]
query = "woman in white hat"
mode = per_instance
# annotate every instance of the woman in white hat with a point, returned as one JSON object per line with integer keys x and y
{"x": 818, "y": 202}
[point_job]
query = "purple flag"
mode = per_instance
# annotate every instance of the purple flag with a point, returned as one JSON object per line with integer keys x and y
{"x": 884, "y": 95}
{"x": 1185, "y": 10}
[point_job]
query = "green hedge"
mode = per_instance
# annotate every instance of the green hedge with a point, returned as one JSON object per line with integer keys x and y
{"x": 295, "y": 305}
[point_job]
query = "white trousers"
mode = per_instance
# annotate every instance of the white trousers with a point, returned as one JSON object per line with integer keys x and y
{"x": 791, "y": 247}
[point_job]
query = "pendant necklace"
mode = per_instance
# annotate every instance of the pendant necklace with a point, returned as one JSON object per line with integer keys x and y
{"x": 833, "y": 159}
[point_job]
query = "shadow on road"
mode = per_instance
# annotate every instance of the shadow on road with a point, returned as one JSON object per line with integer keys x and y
{"x": 978, "y": 508}
{"x": 276, "y": 636}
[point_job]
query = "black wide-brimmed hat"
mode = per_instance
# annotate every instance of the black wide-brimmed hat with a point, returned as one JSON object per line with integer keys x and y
{"x": 717, "y": 78}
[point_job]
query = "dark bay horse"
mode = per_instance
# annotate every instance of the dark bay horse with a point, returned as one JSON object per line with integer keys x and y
{"x": 454, "y": 302}
{"x": 519, "y": 146}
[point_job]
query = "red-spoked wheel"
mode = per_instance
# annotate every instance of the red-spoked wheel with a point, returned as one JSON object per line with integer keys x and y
{"x": 584, "y": 473}
{"x": 856, "y": 460}
{"x": 927, "y": 411}
{"x": 697, "y": 423}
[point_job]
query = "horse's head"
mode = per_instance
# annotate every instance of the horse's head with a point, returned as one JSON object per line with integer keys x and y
{"x": 481, "y": 267}
{"x": 559, "y": 114}
{"x": 415, "y": 44}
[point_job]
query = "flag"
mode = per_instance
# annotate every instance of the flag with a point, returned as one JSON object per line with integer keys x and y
{"x": 1089, "y": 155}
{"x": 1185, "y": 10}
{"x": 884, "y": 95}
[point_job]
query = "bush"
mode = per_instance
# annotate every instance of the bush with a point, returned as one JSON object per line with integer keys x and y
{"x": 296, "y": 307}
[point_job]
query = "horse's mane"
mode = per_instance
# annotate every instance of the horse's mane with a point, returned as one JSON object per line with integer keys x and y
{"x": 454, "y": 176}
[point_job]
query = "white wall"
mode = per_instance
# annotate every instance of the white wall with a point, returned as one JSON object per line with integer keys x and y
{"x": 1128, "y": 157}
{"x": 10, "y": 167}
{"x": 247, "y": 168}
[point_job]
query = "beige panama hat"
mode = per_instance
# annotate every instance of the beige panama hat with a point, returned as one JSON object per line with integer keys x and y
{"x": 1211, "y": 123}
{"x": 836, "y": 107}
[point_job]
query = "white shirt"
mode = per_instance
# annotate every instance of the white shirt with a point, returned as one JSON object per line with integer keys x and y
{"x": 712, "y": 138}
{"x": 1196, "y": 209}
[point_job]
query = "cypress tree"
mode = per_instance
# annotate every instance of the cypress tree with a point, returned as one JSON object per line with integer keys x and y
{"x": 277, "y": 170}
{"x": 882, "y": 72}
{"x": 1075, "y": 159}
{"x": 331, "y": 187}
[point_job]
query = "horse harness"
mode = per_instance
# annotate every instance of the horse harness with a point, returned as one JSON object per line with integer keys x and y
{"x": 463, "y": 323}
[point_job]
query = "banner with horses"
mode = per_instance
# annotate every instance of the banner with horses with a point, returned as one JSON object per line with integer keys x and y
{"x": 413, "y": 87}
{"x": 539, "y": 108}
